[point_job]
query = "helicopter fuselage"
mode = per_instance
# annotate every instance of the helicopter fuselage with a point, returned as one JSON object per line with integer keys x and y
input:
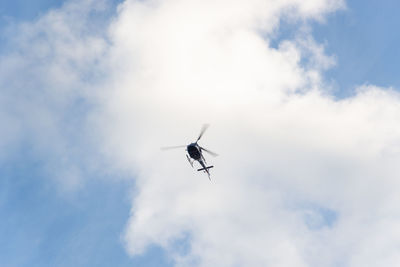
{"x": 194, "y": 151}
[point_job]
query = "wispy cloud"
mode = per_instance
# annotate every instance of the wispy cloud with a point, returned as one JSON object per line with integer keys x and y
{"x": 48, "y": 69}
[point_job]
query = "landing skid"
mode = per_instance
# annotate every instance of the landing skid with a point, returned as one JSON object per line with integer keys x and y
{"x": 191, "y": 163}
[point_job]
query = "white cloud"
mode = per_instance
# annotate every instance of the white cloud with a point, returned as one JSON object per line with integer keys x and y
{"x": 290, "y": 152}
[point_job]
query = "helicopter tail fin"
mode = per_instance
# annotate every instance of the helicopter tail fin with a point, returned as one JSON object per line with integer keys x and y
{"x": 205, "y": 168}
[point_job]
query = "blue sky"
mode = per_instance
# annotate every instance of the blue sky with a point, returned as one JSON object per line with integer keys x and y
{"x": 364, "y": 41}
{"x": 43, "y": 226}
{"x": 25, "y": 10}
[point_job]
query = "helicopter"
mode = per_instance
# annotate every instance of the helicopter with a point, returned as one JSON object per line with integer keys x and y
{"x": 194, "y": 152}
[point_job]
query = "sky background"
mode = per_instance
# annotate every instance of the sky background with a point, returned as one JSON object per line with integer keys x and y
{"x": 67, "y": 196}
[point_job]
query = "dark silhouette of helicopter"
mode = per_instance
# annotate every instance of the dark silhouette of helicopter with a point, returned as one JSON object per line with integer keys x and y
{"x": 195, "y": 152}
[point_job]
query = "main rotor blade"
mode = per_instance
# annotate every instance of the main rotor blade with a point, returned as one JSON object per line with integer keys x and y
{"x": 209, "y": 152}
{"x": 171, "y": 147}
{"x": 203, "y": 129}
